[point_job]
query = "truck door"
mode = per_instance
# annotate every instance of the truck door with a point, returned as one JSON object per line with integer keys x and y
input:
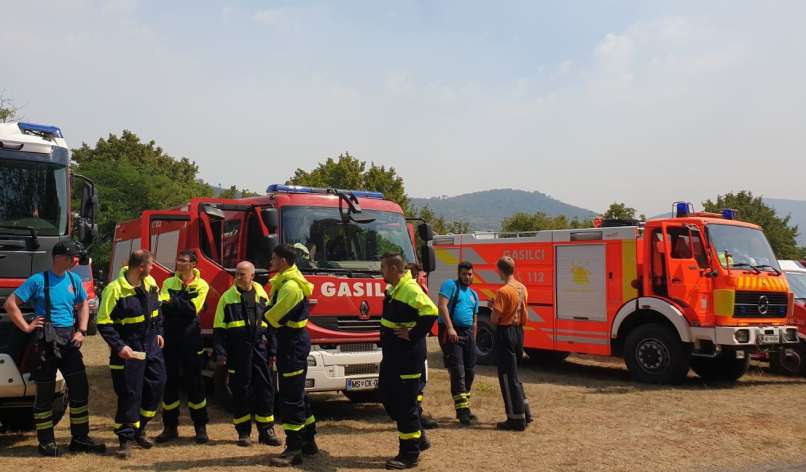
{"x": 685, "y": 266}
{"x": 164, "y": 234}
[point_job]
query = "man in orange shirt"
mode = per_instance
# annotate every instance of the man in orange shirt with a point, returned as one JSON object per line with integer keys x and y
{"x": 509, "y": 316}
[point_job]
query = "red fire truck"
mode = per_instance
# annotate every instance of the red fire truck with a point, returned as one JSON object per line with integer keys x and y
{"x": 339, "y": 234}
{"x": 699, "y": 290}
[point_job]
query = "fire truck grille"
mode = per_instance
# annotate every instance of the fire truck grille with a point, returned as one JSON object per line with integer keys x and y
{"x": 760, "y": 305}
{"x": 347, "y": 323}
{"x": 358, "y": 347}
{"x": 361, "y": 369}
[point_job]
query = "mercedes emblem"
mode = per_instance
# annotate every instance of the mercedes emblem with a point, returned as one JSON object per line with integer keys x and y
{"x": 363, "y": 311}
{"x": 763, "y": 305}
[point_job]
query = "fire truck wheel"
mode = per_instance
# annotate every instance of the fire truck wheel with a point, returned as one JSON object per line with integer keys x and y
{"x": 485, "y": 341}
{"x": 723, "y": 368}
{"x": 790, "y": 362}
{"x": 654, "y": 354}
{"x": 544, "y": 357}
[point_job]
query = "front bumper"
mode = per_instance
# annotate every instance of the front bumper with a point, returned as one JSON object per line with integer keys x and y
{"x": 746, "y": 336}
{"x": 13, "y": 384}
{"x": 329, "y": 370}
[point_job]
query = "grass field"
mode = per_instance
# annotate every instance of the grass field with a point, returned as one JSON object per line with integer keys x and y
{"x": 589, "y": 417}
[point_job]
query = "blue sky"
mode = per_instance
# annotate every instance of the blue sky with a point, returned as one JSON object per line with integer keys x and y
{"x": 590, "y": 102}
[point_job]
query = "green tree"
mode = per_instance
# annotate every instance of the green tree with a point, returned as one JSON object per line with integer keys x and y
{"x": 619, "y": 211}
{"x": 8, "y": 111}
{"x": 347, "y": 172}
{"x": 525, "y": 222}
{"x": 132, "y": 176}
{"x": 781, "y": 235}
{"x": 233, "y": 192}
{"x": 439, "y": 225}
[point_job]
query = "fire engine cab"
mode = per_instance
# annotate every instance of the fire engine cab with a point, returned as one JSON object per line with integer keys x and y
{"x": 340, "y": 236}
{"x": 697, "y": 290}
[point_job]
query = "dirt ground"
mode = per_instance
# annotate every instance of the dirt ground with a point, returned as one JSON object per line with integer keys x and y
{"x": 589, "y": 417}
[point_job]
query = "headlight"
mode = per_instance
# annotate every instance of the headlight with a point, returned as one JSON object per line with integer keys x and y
{"x": 311, "y": 361}
{"x": 742, "y": 336}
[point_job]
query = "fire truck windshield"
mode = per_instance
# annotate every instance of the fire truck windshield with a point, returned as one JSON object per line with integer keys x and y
{"x": 33, "y": 195}
{"x": 797, "y": 283}
{"x": 327, "y": 243}
{"x": 742, "y": 247}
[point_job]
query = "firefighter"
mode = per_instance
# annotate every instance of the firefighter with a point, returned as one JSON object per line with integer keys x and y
{"x": 129, "y": 321}
{"x": 182, "y": 298}
{"x": 458, "y": 307}
{"x": 60, "y": 334}
{"x": 288, "y": 316}
{"x": 427, "y": 422}
{"x": 408, "y": 315}
{"x": 509, "y": 316}
{"x": 245, "y": 346}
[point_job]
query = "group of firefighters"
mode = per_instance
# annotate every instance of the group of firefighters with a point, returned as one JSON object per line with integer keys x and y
{"x": 156, "y": 350}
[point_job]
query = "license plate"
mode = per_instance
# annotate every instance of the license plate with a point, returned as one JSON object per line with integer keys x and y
{"x": 770, "y": 339}
{"x": 362, "y": 384}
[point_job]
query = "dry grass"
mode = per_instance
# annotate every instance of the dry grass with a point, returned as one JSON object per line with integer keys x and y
{"x": 589, "y": 417}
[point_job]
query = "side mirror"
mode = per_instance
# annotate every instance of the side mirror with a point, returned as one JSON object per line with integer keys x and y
{"x": 265, "y": 249}
{"x": 214, "y": 213}
{"x": 270, "y": 219}
{"x": 428, "y": 259}
{"x": 425, "y": 232}
{"x": 87, "y": 232}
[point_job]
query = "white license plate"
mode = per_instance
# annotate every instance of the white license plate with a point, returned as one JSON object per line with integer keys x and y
{"x": 770, "y": 339}
{"x": 362, "y": 384}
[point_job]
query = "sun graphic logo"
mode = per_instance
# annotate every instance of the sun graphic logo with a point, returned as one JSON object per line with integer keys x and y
{"x": 580, "y": 274}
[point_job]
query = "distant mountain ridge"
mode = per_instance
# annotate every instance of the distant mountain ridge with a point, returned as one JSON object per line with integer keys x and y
{"x": 486, "y": 210}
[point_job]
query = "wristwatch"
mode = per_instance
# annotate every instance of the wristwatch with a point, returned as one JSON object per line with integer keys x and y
{"x": 83, "y": 332}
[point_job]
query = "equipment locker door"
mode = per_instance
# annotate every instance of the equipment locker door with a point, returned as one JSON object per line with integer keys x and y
{"x": 580, "y": 282}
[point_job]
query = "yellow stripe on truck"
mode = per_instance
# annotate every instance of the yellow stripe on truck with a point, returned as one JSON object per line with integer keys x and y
{"x": 628, "y": 270}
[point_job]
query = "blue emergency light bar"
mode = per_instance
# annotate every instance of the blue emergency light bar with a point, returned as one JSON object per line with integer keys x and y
{"x": 280, "y": 188}
{"x": 730, "y": 213}
{"x": 41, "y": 129}
{"x": 683, "y": 209}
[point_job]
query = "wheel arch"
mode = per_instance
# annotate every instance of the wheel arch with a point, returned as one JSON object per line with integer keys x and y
{"x": 645, "y": 310}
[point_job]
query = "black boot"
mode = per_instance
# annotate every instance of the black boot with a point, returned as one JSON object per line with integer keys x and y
{"x": 310, "y": 448}
{"x": 125, "y": 450}
{"x": 169, "y": 433}
{"x": 244, "y": 440}
{"x": 425, "y": 444}
{"x": 268, "y": 437}
{"x": 87, "y": 444}
{"x": 400, "y": 463}
{"x": 201, "y": 434}
{"x": 428, "y": 423}
{"x": 141, "y": 439}
{"x": 50, "y": 449}
{"x": 465, "y": 417}
{"x": 510, "y": 425}
{"x": 287, "y": 458}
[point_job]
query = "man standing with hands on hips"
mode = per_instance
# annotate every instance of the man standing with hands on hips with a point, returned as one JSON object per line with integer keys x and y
{"x": 129, "y": 321}
{"x": 54, "y": 294}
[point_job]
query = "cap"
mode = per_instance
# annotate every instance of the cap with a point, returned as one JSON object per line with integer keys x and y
{"x": 302, "y": 248}
{"x": 67, "y": 248}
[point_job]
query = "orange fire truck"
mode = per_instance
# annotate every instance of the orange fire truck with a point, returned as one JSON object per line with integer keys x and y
{"x": 697, "y": 290}
{"x": 339, "y": 234}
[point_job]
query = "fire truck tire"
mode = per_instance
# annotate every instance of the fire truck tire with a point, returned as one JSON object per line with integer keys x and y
{"x": 485, "y": 341}
{"x": 364, "y": 396}
{"x": 654, "y": 354}
{"x": 723, "y": 368}
{"x": 545, "y": 357}
{"x": 790, "y": 362}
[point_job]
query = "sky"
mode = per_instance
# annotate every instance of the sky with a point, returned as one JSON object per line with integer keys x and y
{"x": 588, "y": 101}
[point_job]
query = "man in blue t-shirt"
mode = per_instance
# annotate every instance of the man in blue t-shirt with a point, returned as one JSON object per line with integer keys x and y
{"x": 458, "y": 307}
{"x": 54, "y": 295}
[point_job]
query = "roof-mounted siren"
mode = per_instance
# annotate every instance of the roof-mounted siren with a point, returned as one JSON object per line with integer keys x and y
{"x": 45, "y": 131}
{"x": 281, "y": 188}
{"x": 682, "y": 209}
{"x": 730, "y": 213}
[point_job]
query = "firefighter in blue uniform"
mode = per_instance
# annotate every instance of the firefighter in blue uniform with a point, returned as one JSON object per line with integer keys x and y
{"x": 245, "y": 346}
{"x": 129, "y": 321}
{"x": 408, "y": 315}
{"x": 182, "y": 298}
{"x": 288, "y": 316}
{"x": 60, "y": 334}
